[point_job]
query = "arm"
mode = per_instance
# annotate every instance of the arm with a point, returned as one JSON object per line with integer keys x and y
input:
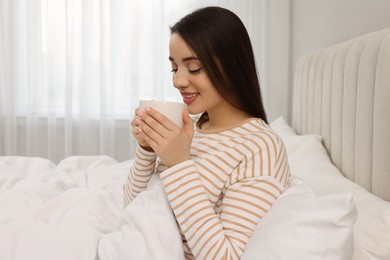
{"x": 140, "y": 173}
{"x": 223, "y": 232}
{"x": 144, "y": 164}
{"x": 217, "y": 232}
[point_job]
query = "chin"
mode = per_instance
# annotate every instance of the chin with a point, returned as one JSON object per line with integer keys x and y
{"x": 195, "y": 112}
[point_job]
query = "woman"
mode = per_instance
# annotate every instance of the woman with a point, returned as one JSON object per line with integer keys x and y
{"x": 223, "y": 173}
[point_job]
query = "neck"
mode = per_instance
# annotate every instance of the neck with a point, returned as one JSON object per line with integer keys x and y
{"x": 223, "y": 118}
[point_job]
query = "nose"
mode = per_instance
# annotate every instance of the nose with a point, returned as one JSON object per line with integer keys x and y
{"x": 180, "y": 79}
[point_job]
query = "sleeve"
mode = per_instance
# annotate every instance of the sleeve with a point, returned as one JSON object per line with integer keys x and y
{"x": 222, "y": 232}
{"x": 140, "y": 173}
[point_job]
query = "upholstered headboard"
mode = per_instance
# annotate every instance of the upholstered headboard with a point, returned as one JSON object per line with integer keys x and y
{"x": 342, "y": 92}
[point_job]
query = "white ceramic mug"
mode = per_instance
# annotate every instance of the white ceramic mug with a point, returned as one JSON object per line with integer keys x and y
{"x": 170, "y": 109}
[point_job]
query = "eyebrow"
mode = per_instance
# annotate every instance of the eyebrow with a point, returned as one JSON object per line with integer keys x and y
{"x": 185, "y": 59}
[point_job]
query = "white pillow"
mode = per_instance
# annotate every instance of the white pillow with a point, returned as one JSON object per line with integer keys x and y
{"x": 281, "y": 127}
{"x": 309, "y": 160}
{"x": 302, "y": 226}
{"x": 291, "y": 140}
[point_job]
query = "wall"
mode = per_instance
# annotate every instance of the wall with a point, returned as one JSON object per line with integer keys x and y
{"x": 318, "y": 23}
{"x": 279, "y": 35}
{"x": 299, "y": 26}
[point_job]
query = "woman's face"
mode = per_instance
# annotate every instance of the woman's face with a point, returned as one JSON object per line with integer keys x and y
{"x": 190, "y": 78}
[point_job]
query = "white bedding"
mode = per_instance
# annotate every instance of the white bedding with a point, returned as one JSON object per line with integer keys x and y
{"x": 309, "y": 161}
{"x": 74, "y": 211}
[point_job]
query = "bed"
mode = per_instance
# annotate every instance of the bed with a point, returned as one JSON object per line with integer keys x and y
{"x": 337, "y": 207}
{"x": 338, "y": 144}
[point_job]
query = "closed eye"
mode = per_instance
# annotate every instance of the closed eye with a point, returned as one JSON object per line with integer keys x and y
{"x": 195, "y": 71}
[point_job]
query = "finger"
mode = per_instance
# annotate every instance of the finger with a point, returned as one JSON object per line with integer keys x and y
{"x": 150, "y": 141}
{"x": 152, "y": 126}
{"x": 138, "y": 111}
{"x": 135, "y": 122}
{"x": 152, "y": 123}
{"x": 136, "y": 133}
{"x": 136, "y": 130}
{"x": 151, "y": 131}
{"x": 187, "y": 122}
{"x": 161, "y": 119}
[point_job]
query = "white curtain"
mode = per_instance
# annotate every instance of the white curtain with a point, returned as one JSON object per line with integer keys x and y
{"x": 72, "y": 71}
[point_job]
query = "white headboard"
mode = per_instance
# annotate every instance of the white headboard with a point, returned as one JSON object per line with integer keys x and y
{"x": 342, "y": 92}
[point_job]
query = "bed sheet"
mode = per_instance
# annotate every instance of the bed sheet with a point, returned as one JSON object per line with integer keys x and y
{"x": 74, "y": 210}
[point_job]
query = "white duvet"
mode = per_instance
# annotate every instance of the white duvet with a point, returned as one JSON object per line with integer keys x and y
{"x": 74, "y": 210}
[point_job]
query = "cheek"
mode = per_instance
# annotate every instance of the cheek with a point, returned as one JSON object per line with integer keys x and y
{"x": 214, "y": 101}
{"x": 214, "y": 95}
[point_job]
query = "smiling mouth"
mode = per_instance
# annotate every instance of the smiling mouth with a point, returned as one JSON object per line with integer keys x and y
{"x": 188, "y": 98}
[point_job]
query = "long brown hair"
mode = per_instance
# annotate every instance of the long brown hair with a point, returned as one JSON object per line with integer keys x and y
{"x": 222, "y": 44}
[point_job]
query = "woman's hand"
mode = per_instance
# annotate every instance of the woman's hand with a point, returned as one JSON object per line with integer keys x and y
{"x": 171, "y": 143}
{"x": 136, "y": 130}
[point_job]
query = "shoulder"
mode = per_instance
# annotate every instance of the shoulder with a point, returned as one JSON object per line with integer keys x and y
{"x": 263, "y": 152}
{"x": 259, "y": 135}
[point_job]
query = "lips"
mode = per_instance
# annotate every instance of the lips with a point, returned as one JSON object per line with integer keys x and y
{"x": 188, "y": 97}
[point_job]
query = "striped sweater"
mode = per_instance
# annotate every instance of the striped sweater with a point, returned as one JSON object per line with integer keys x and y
{"x": 220, "y": 195}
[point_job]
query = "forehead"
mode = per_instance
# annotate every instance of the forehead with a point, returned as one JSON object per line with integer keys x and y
{"x": 178, "y": 48}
